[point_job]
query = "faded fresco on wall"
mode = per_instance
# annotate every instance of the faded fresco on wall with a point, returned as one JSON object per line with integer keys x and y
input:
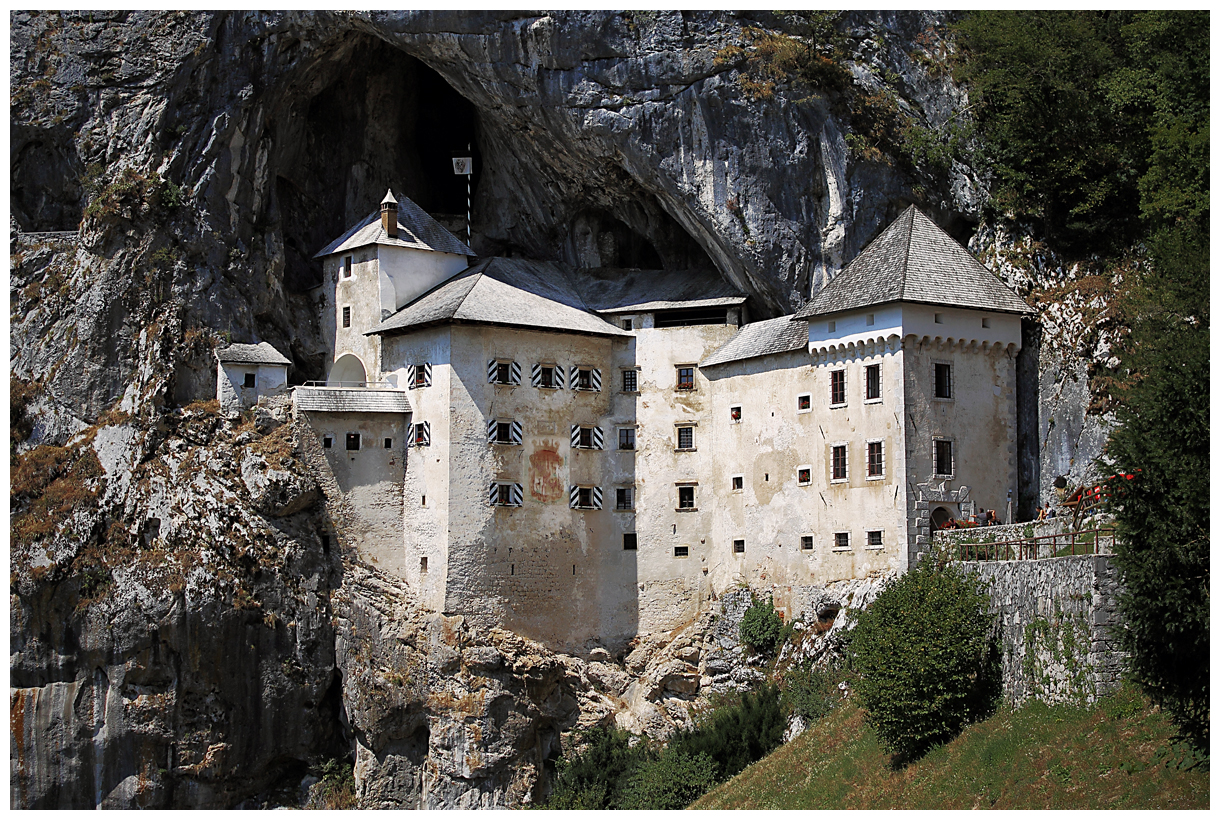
{"x": 545, "y": 471}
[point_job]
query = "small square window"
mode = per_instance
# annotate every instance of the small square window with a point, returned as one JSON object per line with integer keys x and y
{"x": 804, "y": 475}
{"x": 944, "y": 380}
{"x": 328, "y": 442}
{"x": 504, "y": 374}
{"x": 686, "y": 378}
{"x": 546, "y": 377}
{"x": 868, "y": 319}
{"x": 872, "y": 382}
{"x": 735, "y": 413}
{"x": 876, "y": 459}
{"x": 686, "y": 438}
{"x": 682, "y": 551}
{"x": 686, "y": 498}
{"x": 504, "y": 432}
{"x": 938, "y": 318}
{"x": 389, "y": 443}
{"x": 627, "y": 324}
{"x": 629, "y": 542}
{"x": 739, "y": 546}
{"x": 838, "y": 387}
{"x": 842, "y": 540}
{"x": 942, "y": 457}
{"x": 626, "y": 438}
{"x": 630, "y": 381}
{"x": 504, "y": 495}
{"x": 804, "y": 403}
{"x": 353, "y": 441}
{"x": 585, "y": 497}
{"x": 347, "y": 317}
{"x": 806, "y": 543}
{"x": 584, "y": 379}
{"x": 585, "y": 438}
{"x": 830, "y": 327}
{"x": 738, "y": 483}
{"x": 623, "y": 499}
{"x": 874, "y": 538}
{"x": 248, "y": 381}
{"x": 986, "y": 321}
{"x": 838, "y": 462}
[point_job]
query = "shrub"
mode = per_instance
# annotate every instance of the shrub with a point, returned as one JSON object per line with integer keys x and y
{"x": 591, "y": 779}
{"x": 925, "y": 657}
{"x": 811, "y": 693}
{"x": 670, "y": 782}
{"x": 338, "y": 787}
{"x": 761, "y": 625}
{"x": 737, "y": 733}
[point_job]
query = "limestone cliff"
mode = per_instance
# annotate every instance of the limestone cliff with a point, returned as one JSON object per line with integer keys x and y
{"x": 181, "y": 634}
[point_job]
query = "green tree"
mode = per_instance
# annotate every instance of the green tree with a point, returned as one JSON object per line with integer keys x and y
{"x": 761, "y": 625}
{"x": 926, "y": 659}
{"x": 1162, "y": 511}
{"x": 670, "y": 782}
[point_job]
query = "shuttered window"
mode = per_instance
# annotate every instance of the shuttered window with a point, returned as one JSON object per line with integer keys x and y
{"x": 587, "y": 437}
{"x": 585, "y": 378}
{"x": 505, "y": 494}
{"x": 419, "y": 375}
{"x": 420, "y": 435}
{"x": 503, "y": 372}
{"x": 504, "y": 431}
{"x": 585, "y": 498}
{"x": 549, "y": 376}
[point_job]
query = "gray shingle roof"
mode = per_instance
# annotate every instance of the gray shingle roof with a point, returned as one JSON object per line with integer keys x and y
{"x": 350, "y": 400}
{"x": 913, "y": 260}
{"x": 761, "y": 339}
{"x": 261, "y": 353}
{"x": 613, "y": 290}
{"x": 416, "y": 229}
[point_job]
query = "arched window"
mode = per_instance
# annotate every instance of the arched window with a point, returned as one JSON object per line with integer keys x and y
{"x": 940, "y": 517}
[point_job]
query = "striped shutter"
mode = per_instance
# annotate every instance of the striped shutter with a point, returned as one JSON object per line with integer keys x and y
{"x": 536, "y": 375}
{"x": 491, "y": 430}
{"x": 575, "y": 435}
{"x": 518, "y": 494}
{"x": 596, "y": 379}
{"x": 427, "y": 435}
{"x": 514, "y": 373}
{"x": 559, "y": 382}
{"x": 573, "y": 497}
{"x": 514, "y": 432}
{"x": 597, "y": 498}
{"x": 491, "y": 371}
{"x": 410, "y": 377}
{"x": 493, "y": 494}
{"x": 598, "y": 439}
{"x": 572, "y": 376}
{"x": 427, "y": 374}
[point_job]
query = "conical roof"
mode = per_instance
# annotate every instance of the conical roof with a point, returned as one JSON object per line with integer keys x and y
{"x": 913, "y": 260}
{"x": 389, "y": 198}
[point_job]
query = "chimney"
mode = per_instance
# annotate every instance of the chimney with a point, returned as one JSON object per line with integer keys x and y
{"x": 389, "y": 215}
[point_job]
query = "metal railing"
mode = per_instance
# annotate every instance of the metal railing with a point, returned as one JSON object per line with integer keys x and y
{"x": 1058, "y": 545}
{"x": 360, "y": 385}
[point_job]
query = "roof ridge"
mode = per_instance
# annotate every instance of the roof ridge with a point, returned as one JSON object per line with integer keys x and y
{"x": 906, "y": 256}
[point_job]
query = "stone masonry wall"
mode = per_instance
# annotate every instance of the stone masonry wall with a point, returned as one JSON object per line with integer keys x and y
{"x": 1059, "y": 626}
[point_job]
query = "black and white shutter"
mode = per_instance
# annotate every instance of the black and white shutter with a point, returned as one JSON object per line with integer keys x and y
{"x": 575, "y": 435}
{"x": 536, "y": 375}
{"x": 574, "y": 497}
{"x": 599, "y": 441}
{"x": 573, "y": 375}
{"x": 597, "y": 498}
{"x": 595, "y": 378}
{"x": 427, "y": 374}
{"x": 518, "y": 494}
{"x": 514, "y": 373}
{"x": 514, "y": 432}
{"x": 558, "y": 381}
{"x": 410, "y": 377}
{"x": 492, "y": 366}
{"x": 491, "y": 430}
{"x": 493, "y": 493}
{"x": 423, "y": 434}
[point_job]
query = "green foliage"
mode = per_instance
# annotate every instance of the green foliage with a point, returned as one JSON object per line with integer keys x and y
{"x": 761, "y": 625}
{"x": 925, "y": 657}
{"x": 130, "y": 195}
{"x": 669, "y": 782}
{"x": 1163, "y": 513}
{"x": 1093, "y": 120}
{"x": 338, "y": 787}
{"x": 592, "y": 779}
{"x": 738, "y": 733}
{"x": 811, "y": 693}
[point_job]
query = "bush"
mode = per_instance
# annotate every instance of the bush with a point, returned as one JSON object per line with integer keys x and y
{"x": 761, "y": 626}
{"x": 593, "y": 778}
{"x": 338, "y": 787}
{"x": 925, "y": 657}
{"x": 669, "y": 782}
{"x": 811, "y": 693}
{"x": 738, "y": 733}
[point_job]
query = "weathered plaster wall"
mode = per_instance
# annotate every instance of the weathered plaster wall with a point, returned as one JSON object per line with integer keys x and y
{"x": 409, "y": 272}
{"x": 269, "y": 380}
{"x": 361, "y": 291}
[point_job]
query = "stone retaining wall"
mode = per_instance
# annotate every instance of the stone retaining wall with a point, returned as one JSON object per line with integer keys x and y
{"x": 1059, "y": 626}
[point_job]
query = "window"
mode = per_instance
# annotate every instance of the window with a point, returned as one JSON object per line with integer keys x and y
{"x": 248, "y": 380}
{"x": 872, "y": 382}
{"x": 804, "y": 403}
{"x": 587, "y": 438}
{"x": 347, "y": 266}
{"x": 503, "y": 432}
{"x": 838, "y": 462}
{"x": 547, "y": 375}
{"x": 686, "y": 377}
{"x": 868, "y": 319}
{"x": 944, "y": 380}
{"x": 347, "y": 317}
{"x": 585, "y": 498}
{"x": 874, "y": 538}
{"x": 419, "y": 375}
{"x": 586, "y": 378}
{"x": 986, "y": 321}
{"x": 804, "y": 475}
{"x": 420, "y": 435}
{"x": 681, "y": 551}
{"x": 686, "y": 438}
{"x": 942, "y": 457}
{"x": 353, "y": 441}
{"x": 328, "y": 442}
{"x": 630, "y": 381}
{"x": 627, "y": 324}
{"x": 735, "y": 413}
{"x": 876, "y": 459}
{"x": 686, "y": 498}
{"x": 629, "y": 542}
{"x": 738, "y": 483}
{"x": 423, "y": 565}
{"x": 830, "y": 327}
{"x": 623, "y": 499}
{"x": 938, "y": 318}
{"x": 842, "y": 541}
{"x": 389, "y": 444}
{"x": 505, "y": 494}
{"x": 838, "y": 387}
{"x": 501, "y": 372}
{"x": 626, "y": 438}
{"x": 739, "y": 546}
{"x": 806, "y": 543}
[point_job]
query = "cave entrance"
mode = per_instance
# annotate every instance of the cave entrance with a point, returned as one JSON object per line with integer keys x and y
{"x": 368, "y": 118}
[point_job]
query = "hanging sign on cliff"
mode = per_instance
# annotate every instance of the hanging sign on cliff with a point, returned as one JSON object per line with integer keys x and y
{"x": 463, "y": 165}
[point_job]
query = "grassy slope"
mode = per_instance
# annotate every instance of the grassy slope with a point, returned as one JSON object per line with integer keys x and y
{"x": 1113, "y": 755}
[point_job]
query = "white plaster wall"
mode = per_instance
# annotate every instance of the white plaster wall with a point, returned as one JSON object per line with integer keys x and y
{"x": 361, "y": 292}
{"x": 905, "y": 318}
{"x": 230, "y": 376}
{"x": 406, "y": 273}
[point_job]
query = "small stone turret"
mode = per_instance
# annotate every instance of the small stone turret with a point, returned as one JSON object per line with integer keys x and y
{"x": 389, "y": 214}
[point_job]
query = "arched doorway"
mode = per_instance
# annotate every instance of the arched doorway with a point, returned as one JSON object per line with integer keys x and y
{"x": 940, "y": 517}
{"x": 347, "y": 371}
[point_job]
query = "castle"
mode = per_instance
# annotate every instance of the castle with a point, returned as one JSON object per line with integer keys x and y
{"x": 587, "y": 455}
